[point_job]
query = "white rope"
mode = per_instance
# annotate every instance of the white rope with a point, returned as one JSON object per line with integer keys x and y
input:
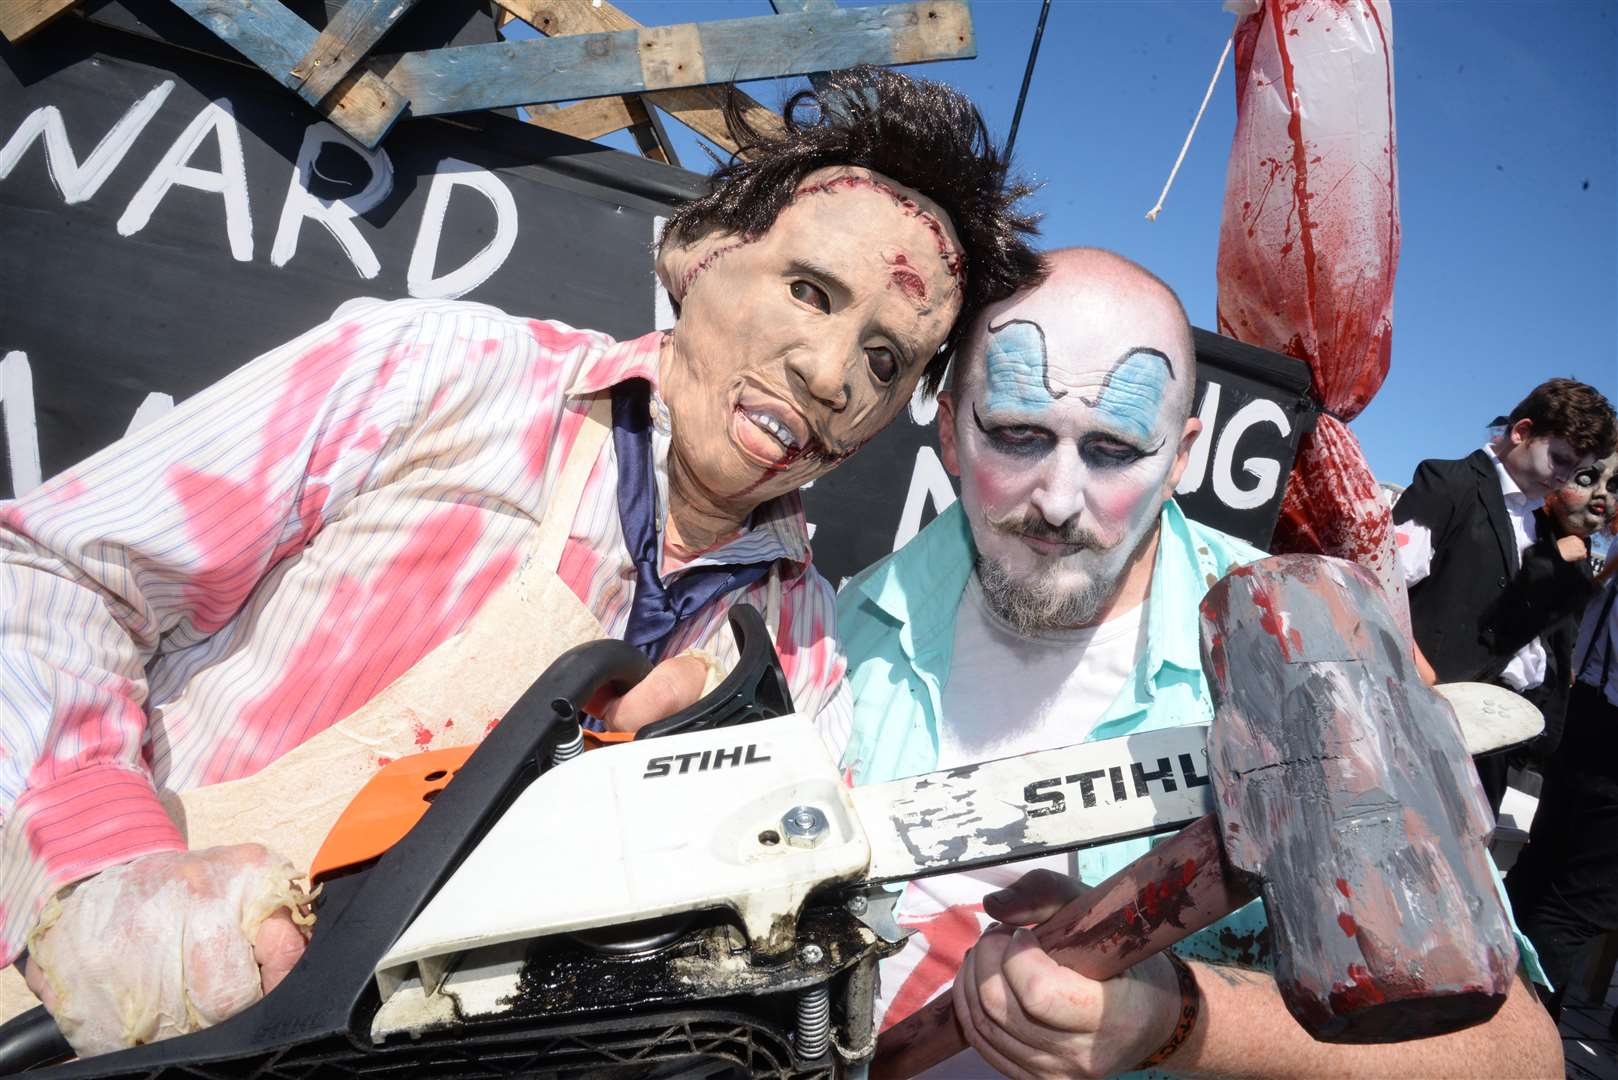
{"x": 1151, "y": 215}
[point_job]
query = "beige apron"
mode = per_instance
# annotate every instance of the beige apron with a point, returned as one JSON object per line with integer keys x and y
{"x": 450, "y": 697}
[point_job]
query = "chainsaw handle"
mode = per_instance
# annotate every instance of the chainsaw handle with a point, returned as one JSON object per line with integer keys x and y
{"x": 755, "y": 689}
{"x": 31, "y": 1039}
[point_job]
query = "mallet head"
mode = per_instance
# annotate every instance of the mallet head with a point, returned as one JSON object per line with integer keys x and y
{"x": 1345, "y": 789}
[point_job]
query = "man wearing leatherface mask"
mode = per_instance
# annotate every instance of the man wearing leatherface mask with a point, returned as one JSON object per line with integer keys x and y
{"x": 189, "y": 605}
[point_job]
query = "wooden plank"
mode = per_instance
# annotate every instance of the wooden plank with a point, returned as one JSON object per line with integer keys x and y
{"x": 20, "y": 18}
{"x": 587, "y": 119}
{"x": 794, "y": 7}
{"x": 701, "y": 108}
{"x": 603, "y": 116}
{"x": 632, "y": 61}
{"x": 352, "y": 31}
{"x": 653, "y": 138}
{"x": 275, "y": 39}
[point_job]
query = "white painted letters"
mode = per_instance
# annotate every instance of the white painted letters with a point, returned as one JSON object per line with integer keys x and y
{"x": 928, "y": 479}
{"x": 421, "y": 278}
{"x": 1266, "y": 471}
{"x": 662, "y": 308}
{"x": 154, "y": 406}
{"x": 22, "y": 430}
{"x": 230, "y": 181}
{"x": 1196, "y": 466}
{"x": 79, "y": 183}
{"x": 337, "y": 215}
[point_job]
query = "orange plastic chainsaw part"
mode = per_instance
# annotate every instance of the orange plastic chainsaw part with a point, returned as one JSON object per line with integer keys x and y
{"x": 392, "y": 801}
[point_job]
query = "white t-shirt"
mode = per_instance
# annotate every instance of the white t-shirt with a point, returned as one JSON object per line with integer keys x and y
{"x": 1007, "y": 695}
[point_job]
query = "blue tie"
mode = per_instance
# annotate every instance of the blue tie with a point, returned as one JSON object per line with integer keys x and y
{"x": 657, "y": 609}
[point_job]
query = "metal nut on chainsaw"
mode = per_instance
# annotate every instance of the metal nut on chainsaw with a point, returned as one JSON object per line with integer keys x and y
{"x": 804, "y": 826}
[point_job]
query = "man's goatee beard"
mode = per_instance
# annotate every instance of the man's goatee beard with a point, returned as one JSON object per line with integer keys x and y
{"x": 1036, "y": 607}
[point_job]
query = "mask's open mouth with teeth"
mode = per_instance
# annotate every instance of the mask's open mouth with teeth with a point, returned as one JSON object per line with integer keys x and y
{"x": 773, "y": 436}
{"x": 769, "y": 423}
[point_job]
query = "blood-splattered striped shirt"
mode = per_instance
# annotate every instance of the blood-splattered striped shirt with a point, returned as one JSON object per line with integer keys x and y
{"x": 189, "y": 604}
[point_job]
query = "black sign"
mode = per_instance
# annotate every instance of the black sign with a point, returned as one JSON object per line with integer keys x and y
{"x": 167, "y": 216}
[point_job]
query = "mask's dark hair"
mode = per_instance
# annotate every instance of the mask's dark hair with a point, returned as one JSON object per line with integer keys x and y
{"x": 1577, "y": 412}
{"x": 925, "y": 135}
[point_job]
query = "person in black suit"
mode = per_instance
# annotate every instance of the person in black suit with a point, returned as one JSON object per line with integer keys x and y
{"x": 1463, "y": 527}
{"x": 1550, "y": 592}
{"x": 1564, "y": 886}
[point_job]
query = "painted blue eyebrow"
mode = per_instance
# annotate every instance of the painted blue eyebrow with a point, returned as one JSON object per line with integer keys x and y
{"x": 1132, "y": 391}
{"x": 1016, "y": 368}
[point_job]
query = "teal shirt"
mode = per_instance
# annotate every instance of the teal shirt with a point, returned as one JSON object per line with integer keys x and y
{"x": 896, "y": 622}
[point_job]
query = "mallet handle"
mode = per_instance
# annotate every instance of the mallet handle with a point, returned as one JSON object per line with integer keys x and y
{"x": 1171, "y": 892}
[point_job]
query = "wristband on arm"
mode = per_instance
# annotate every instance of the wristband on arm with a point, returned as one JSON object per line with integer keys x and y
{"x": 1190, "y": 1009}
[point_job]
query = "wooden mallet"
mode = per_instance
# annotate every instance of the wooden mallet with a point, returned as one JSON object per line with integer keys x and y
{"x": 1345, "y": 797}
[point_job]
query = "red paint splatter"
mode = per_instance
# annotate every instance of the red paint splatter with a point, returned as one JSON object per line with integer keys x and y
{"x": 556, "y": 338}
{"x": 383, "y": 760}
{"x": 540, "y": 439}
{"x": 1346, "y": 921}
{"x": 1216, "y": 656}
{"x": 98, "y": 729}
{"x": 1162, "y": 900}
{"x": 948, "y": 935}
{"x": 1361, "y": 990}
{"x": 1272, "y": 621}
{"x": 227, "y": 518}
{"x": 1342, "y": 887}
{"x": 369, "y": 634}
{"x": 424, "y": 738}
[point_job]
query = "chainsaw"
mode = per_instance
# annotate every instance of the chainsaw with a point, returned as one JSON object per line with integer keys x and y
{"x": 707, "y": 898}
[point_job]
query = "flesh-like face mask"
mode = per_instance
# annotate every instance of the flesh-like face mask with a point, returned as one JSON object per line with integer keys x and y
{"x": 794, "y": 348}
{"x": 1588, "y": 503}
{"x": 1068, "y": 435}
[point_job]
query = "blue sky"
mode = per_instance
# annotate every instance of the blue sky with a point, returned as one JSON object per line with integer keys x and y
{"x": 1508, "y": 143}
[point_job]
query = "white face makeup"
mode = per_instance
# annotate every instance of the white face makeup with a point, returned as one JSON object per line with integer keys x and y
{"x": 1539, "y": 463}
{"x": 1588, "y": 503}
{"x": 1068, "y": 436}
{"x": 794, "y": 348}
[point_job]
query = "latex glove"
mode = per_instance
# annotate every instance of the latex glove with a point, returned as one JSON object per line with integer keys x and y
{"x": 166, "y": 944}
{"x": 675, "y": 684}
{"x": 1031, "y": 1017}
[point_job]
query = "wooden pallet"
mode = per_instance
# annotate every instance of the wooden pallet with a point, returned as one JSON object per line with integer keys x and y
{"x": 616, "y": 72}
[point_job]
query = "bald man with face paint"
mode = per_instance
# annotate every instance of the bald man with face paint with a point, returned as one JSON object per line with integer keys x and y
{"x": 1056, "y": 603}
